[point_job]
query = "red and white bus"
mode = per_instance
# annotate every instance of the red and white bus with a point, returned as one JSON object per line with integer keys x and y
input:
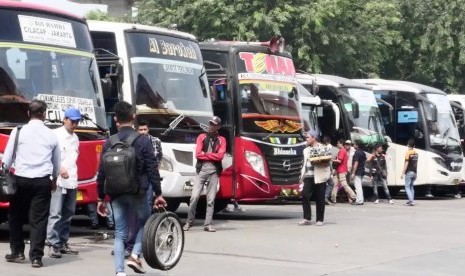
{"x": 47, "y": 54}
{"x": 255, "y": 95}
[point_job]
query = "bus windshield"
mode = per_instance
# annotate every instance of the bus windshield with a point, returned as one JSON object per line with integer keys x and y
{"x": 367, "y": 127}
{"x": 168, "y": 75}
{"x": 443, "y": 133}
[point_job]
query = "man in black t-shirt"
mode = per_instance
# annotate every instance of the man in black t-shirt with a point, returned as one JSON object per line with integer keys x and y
{"x": 358, "y": 170}
{"x": 378, "y": 173}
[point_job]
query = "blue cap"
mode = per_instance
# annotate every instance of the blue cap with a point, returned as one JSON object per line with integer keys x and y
{"x": 313, "y": 133}
{"x": 73, "y": 114}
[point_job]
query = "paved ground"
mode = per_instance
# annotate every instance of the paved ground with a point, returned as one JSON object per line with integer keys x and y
{"x": 383, "y": 239}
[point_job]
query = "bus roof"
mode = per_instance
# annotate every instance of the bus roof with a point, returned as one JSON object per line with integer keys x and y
{"x": 121, "y": 27}
{"x": 397, "y": 85}
{"x": 15, "y": 5}
{"x": 329, "y": 80}
{"x": 243, "y": 46}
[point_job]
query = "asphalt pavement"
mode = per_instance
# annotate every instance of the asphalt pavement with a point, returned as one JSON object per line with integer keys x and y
{"x": 372, "y": 239}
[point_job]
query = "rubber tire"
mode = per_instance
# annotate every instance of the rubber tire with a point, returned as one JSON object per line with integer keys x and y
{"x": 148, "y": 251}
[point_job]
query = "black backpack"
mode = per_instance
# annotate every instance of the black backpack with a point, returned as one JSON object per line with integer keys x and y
{"x": 120, "y": 165}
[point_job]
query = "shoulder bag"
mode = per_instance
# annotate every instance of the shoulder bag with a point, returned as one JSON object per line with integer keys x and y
{"x": 7, "y": 179}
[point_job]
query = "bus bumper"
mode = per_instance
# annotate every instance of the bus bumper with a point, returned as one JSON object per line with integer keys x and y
{"x": 86, "y": 193}
{"x": 176, "y": 184}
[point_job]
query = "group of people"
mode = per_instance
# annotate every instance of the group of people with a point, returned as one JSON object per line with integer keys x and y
{"x": 322, "y": 178}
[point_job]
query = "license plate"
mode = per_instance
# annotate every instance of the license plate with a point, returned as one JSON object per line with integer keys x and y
{"x": 456, "y": 181}
{"x": 79, "y": 196}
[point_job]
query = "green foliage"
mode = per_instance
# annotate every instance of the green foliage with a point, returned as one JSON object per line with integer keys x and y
{"x": 413, "y": 40}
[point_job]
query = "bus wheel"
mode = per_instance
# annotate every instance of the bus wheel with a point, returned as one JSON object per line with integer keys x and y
{"x": 393, "y": 191}
{"x": 173, "y": 204}
{"x": 201, "y": 211}
{"x": 163, "y": 241}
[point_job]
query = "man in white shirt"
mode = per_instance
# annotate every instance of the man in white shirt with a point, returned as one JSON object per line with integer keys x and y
{"x": 63, "y": 203}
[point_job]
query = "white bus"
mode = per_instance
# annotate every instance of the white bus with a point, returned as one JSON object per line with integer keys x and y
{"x": 164, "y": 79}
{"x": 424, "y": 114}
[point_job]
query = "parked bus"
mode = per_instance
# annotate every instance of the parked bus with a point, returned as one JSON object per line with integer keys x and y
{"x": 424, "y": 114}
{"x": 47, "y": 54}
{"x": 160, "y": 72}
{"x": 457, "y": 102}
{"x": 255, "y": 95}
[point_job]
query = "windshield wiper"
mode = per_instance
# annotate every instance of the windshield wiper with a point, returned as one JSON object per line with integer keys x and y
{"x": 174, "y": 124}
{"x": 87, "y": 118}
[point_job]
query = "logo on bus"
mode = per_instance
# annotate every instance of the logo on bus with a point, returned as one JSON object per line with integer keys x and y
{"x": 270, "y": 64}
{"x": 280, "y": 151}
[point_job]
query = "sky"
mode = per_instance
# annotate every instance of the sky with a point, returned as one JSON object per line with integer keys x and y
{"x": 79, "y": 9}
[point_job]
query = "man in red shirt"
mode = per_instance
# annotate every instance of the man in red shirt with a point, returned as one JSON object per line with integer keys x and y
{"x": 341, "y": 173}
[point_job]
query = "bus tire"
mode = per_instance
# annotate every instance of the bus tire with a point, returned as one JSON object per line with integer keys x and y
{"x": 163, "y": 241}
{"x": 172, "y": 204}
{"x": 201, "y": 209}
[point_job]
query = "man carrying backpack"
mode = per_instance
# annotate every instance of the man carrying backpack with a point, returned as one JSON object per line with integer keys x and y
{"x": 209, "y": 151}
{"x": 128, "y": 166}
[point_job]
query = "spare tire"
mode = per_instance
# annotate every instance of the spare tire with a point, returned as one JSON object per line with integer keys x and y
{"x": 163, "y": 241}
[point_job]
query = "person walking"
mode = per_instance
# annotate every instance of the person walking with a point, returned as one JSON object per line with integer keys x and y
{"x": 147, "y": 170}
{"x": 314, "y": 175}
{"x": 210, "y": 151}
{"x": 378, "y": 173}
{"x": 330, "y": 183}
{"x": 63, "y": 202}
{"x": 358, "y": 170}
{"x": 341, "y": 173}
{"x": 36, "y": 166}
{"x": 410, "y": 171}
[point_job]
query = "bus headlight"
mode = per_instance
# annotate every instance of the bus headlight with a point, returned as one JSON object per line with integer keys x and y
{"x": 165, "y": 164}
{"x": 255, "y": 161}
{"x": 440, "y": 162}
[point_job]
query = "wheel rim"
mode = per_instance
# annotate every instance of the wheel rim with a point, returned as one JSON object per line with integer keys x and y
{"x": 168, "y": 241}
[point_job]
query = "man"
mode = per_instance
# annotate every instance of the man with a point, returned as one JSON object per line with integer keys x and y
{"x": 330, "y": 183}
{"x": 36, "y": 167}
{"x": 209, "y": 151}
{"x": 147, "y": 169}
{"x": 63, "y": 203}
{"x": 410, "y": 171}
{"x": 358, "y": 170}
{"x": 143, "y": 128}
{"x": 341, "y": 172}
{"x": 378, "y": 173}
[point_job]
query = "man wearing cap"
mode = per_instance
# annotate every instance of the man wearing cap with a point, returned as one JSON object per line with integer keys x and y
{"x": 209, "y": 151}
{"x": 341, "y": 172}
{"x": 63, "y": 202}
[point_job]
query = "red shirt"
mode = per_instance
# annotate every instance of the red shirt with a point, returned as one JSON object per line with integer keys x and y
{"x": 343, "y": 157}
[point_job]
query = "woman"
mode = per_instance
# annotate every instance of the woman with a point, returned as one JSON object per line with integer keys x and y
{"x": 314, "y": 175}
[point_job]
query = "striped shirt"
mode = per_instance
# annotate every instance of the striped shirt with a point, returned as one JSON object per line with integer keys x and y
{"x": 37, "y": 153}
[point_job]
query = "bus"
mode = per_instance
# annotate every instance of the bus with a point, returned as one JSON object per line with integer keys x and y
{"x": 424, "y": 114}
{"x": 255, "y": 95}
{"x": 161, "y": 73}
{"x": 47, "y": 54}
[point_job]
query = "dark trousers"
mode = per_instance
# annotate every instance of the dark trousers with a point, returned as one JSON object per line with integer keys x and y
{"x": 32, "y": 200}
{"x": 311, "y": 188}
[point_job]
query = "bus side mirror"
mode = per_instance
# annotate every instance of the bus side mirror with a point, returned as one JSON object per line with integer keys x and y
{"x": 356, "y": 110}
{"x": 434, "y": 114}
{"x": 106, "y": 84}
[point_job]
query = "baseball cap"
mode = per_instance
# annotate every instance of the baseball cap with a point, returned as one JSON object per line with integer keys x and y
{"x": 348, "y": 142}
{"x": 312, "y": 133}
{"x": 215, "y": 120}
{"x": 73, "y": 114}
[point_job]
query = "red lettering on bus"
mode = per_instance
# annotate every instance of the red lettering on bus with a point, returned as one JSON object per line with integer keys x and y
{"x": 248, "y": 61}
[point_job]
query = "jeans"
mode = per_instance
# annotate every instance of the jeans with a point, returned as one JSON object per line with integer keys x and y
{"x": 200, "y": 180}
{"x": 410, "y": 178}
{"x": 31, "y": 198}
{"x": 310, "y": 188}
{"x": 358, "y": 189}
{"x": 329, "y": 188}
{"x": 62, "y": 208}
{"x": 380, "y": 181}
{"x": 92, "y": 210}
{"x": 132, "y": 221}
{"x": 122, "y": 206}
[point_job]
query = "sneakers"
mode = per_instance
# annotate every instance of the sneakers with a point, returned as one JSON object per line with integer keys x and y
{"x": 304, "y": 222}
{"x": 391, "y": 201}
{"x": 55, "y": 252}
{"x": 120, "y": 274}
{"x": 319, "y": 223}
{"x": 408, "y": 203}
{"x": 136, "y": 265}
{"x": 15, "y": 257}
{"x": 187, "y": 226}
{"x": 67, "y": 250}
{"x": 377, "y": 201}
{"x": 458, "y": 196}
{"x": 327, "y": 202}
{"x": 209, "y": 228}
{"x": 429, "y": 195}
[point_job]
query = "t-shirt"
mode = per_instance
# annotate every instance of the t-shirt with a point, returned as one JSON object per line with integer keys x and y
{"x": 412, "y": 157}
{"x": 359, "y": 156}
{"x": 343, "y": 157}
